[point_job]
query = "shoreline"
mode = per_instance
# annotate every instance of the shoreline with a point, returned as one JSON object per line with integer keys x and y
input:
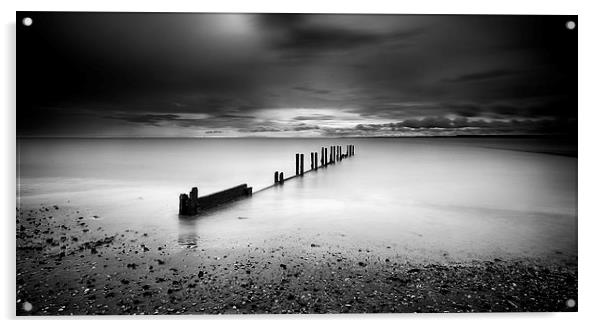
{"x": 72, "y": 266}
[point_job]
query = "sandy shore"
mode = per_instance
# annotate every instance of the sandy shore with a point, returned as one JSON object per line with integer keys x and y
{"x": 67, "y": 264}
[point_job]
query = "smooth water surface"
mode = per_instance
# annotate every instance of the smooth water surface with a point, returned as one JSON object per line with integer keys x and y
{"x": 427, "y": 198}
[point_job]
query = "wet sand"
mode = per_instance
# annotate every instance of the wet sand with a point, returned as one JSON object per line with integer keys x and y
{"x": 68, "y": 264}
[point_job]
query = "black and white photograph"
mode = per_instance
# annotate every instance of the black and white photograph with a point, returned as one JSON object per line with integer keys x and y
{"x": 176, "y": 163}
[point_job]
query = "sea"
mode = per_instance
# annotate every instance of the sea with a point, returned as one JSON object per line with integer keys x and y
{"x": 428, "y": 199}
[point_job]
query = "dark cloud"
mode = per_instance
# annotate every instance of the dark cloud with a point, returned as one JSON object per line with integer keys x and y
{"x": 299, "y": 36}
{"x": 305, "y": 127}
{"x": 315, "y": 38}
{"x": 460, "y": 126}
{"x": 480, "y": 76}
{"x": 315, "y": 117}
{"x": 235, "y": 116}
{"x": 260, "y": 129}
{"x": 148, "y": 119}
{"x": 312, "y": 90}
{"x": 465, "y": 110}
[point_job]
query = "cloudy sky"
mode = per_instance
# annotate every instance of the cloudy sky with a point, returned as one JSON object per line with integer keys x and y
{"x": 225, "y": 75}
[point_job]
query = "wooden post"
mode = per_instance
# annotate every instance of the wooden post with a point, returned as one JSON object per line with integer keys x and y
{"x": 322, "y": 156}
{"x": 332, "y": 153}
{"x": 276, "y": 177}
{"x": 326, "y": 156}
{"x": 302, "y": 161}
{"x": 315, "y": 160}
{"x": 281, "y": 178}
{"x": 183, "y": 204}
{"x": 296, "y": 164}
{"x": 194, "y": 198}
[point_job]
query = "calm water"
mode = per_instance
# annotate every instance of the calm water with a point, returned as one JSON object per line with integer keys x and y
{"x": 429, "y": 199}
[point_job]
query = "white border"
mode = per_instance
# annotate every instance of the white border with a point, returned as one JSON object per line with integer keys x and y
{"x": 590, "y": 75}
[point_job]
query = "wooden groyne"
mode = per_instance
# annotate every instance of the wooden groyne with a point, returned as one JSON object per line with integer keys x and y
{"x": 192, "y": 204}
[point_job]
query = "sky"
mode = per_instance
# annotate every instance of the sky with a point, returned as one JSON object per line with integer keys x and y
{"x": 294, "y": 75}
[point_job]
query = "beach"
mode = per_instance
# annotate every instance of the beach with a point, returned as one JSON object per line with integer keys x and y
{"x": 418, "y": 225}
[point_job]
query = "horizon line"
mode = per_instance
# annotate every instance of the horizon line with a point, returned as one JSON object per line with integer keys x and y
{"x": 324, "y": 137}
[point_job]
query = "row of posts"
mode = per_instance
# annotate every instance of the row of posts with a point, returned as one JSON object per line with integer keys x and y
{"x": 336, "y": 155}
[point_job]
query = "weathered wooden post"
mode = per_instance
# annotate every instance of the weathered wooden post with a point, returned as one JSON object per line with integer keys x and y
{"x": 183, "y": 204}
{"x": 194, "y": 198}
{"x": 296, "y": 164}
{"x": 322, "y": 156}
{"x": 281, "y": 177}
{"x": 276, "y": 177}
{"x": 332, "y": 153}
{"x": 313, "y": 164}
{"x": 315, "y": 161}
{"x": 302, "y": 161}
{"x": 188, "y": 203}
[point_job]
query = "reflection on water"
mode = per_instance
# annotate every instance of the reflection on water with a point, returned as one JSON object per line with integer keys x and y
{"x": 187, "y": 231}
{"x": 466, "y": 198}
